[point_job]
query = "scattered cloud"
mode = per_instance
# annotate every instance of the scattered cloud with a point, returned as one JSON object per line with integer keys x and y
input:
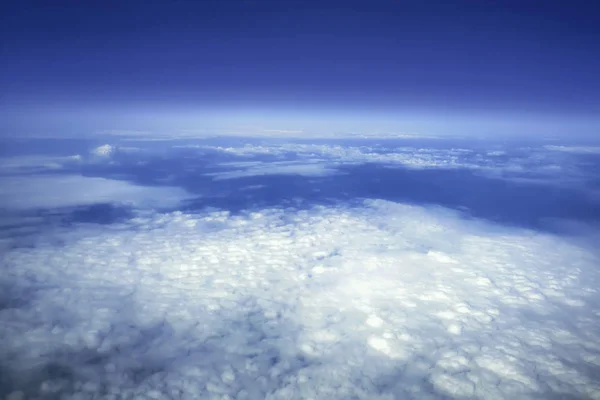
{"x": 406, "y": 156}
{"x": 539, "y": 165}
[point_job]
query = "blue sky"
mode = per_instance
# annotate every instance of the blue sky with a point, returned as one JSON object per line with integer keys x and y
{"x": 480, "y": 68}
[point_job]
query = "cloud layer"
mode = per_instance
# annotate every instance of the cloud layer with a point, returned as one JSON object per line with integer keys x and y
{"x": 58, "y": 191}
{"x": 536, "y": 163}
{"x": 378, "y": 301}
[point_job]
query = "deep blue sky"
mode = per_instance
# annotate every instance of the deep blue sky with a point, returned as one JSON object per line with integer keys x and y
{"x": 285, "y": 63}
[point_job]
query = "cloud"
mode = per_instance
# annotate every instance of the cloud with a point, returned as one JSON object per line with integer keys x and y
{"x": 378, "y": 301}
{"x": 56, "y": 191}
{"x": 44, "y": 163}
{"x": 575, "y": 149}
{"x": 103, "y": 151}
{"x": 246, "y": 169}
{"x": 36, "y": 163}
{"x": 538, "y": 165}
{"x": 406, "y": 156}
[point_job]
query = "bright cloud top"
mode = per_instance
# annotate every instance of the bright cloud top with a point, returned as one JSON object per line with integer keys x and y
{"x": 381, "y": 301}
{"x": 103, "y": 151}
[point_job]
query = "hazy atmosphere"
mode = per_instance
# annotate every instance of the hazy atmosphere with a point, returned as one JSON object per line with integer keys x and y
{"x": 299, "y": 200}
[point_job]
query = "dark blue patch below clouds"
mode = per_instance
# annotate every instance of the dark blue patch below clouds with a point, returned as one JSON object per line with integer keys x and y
{"x": 507, "y": 198}
{"x": 522, "y": 197}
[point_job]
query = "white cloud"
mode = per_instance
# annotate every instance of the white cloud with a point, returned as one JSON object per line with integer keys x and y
{"x": 378, "y": 302}
{"x": 55, "y": 191}
{"x": 245, "y": 169}
{"x": 535, "y": 165}
{"x": 406, "y": 156}
{"x": 31, "y": 163}
{"x": 575, "y": 149}
{"x": 103, "y": 151}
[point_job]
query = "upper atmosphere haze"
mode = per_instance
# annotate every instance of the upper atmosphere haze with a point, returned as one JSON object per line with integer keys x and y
{"x": 333, "y": 67}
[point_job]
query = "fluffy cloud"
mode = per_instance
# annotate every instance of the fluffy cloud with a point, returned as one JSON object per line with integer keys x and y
{"x": 103, "y": 151}
{"x": 379, "y": 301}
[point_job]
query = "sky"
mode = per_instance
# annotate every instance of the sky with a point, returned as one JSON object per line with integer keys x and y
{"x": 246, "y": 67}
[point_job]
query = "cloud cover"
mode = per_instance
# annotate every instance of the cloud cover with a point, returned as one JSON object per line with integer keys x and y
{"x": 58, "y": 191}
{"x": 356, "y": 299}
{"x": 378, "y": 301}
